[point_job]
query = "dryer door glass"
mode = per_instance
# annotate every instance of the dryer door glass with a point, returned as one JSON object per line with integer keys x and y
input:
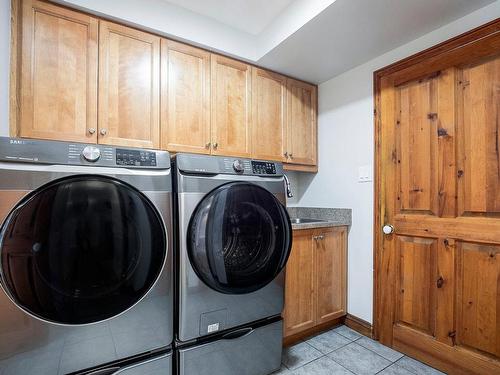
{"x": 81, "y": 249}
{"x": 239, "y": 238}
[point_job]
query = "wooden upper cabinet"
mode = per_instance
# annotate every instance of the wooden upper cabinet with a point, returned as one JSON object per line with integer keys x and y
{"x": 129, "y": 81}
{"x": 302, "y": 126}
{"x": 231, "y": 107}
{"x": 58, "y": 78}
{"x": 269, "y": 115}
{"x": 185, "y": 98}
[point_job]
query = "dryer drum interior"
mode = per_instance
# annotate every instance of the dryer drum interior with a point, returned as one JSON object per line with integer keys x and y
{"x": 239, "y": 238}
{"x": 81, "y": 249}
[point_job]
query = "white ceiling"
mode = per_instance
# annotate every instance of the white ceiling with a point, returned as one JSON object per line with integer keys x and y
{"x": 250, "y": 16}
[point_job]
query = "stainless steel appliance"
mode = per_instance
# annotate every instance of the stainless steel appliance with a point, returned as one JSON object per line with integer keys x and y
{"x": 85, "y": 259}
{"x": 234, "y": 240}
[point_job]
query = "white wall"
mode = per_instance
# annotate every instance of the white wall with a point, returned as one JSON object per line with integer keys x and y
{"x": 4, "y": 66}
{"x": 346, "y": 142}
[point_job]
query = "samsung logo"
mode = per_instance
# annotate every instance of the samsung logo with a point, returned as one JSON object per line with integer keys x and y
{"x": 16, "y": 142}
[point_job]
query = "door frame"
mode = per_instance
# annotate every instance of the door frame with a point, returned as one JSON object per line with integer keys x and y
{"x": 470, "y": 45}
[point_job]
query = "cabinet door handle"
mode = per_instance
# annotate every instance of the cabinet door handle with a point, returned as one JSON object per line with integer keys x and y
{"x": 286, "y": 154}
{"x": 103, "y": 131}
{"x": 291, "y": 155}
{"x": 91, "y": 130}
{"x": 207, "y": 146}
{"x": 216, "y": 145}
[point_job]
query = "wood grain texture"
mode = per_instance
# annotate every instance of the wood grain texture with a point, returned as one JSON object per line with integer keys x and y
{"x": 58, "y": 73}
{"x": 231, "y": 107}
{"x": 269, "y": 115}
{"x": 15, "y": 68}
{"x": 302, "y": 122}
{"x": 129, "y": 81}
{"x": 437, "y": 176}
{"x": 300, "y": 290}
{"x": 185, "y": 98}
{"x": 331, "y": 275}
{"x": 359, "y": 325}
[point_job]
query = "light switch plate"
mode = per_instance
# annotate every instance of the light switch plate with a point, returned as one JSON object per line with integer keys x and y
{"x": 365, "y": 173}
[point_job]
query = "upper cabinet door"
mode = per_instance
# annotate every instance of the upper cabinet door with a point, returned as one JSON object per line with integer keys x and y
{"x": 185, "y": 93}
{"x": 269, "y": 116}
{"x": 129, "y": 80}
{"x": 302, "y": 127}
{"x": 231, "y": 107}
{"x": 58, "y": 76}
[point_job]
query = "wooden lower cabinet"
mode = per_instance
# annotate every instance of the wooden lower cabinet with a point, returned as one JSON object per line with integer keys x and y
{"x": 316, "y": 279}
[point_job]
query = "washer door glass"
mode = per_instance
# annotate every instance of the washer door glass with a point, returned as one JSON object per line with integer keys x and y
{"x": 239, "y": 238}
{"x": 81, "y": 249}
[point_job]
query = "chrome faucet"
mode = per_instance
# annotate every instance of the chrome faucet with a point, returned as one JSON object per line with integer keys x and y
{"x": 289, "y": 193}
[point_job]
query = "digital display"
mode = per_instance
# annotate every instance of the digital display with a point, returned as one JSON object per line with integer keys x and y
{"x": 262, "y": 167}
{"x": 135, "y": 158}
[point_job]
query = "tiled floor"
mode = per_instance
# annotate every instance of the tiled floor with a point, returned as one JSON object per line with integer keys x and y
{"x": 344, "y": 351}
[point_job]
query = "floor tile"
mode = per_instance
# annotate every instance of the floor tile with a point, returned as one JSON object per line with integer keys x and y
{"x": 417, "y": 367}
{"x": 347, "y": 332}
{"x": 322, "y": 366}
{"x": 328, "y": 342}
{"x": 299, "y": 354}
{"x": 359, "y": 360}
{"x": 395, "y": 369}
{"x": 380, "y": 349}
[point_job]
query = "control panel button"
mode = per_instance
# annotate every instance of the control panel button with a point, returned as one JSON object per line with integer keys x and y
{"x": 262, "y": 167}
{"x": 238, "y": 166}
{"x": 91, "y": 153}
{"x": 135, "y": 158}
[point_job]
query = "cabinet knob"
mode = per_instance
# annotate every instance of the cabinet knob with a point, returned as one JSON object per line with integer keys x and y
{"x": 216, "y": 145}
{"x": 291, "y": 155}
{"x": 103, "y": 131}
{"x": 91, "y": 130}
{"x": 207, "y": 146}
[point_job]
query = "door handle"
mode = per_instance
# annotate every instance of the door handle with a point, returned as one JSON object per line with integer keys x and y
{"x": 103, "y": 131}
{"x": 238, "y": 334}
{"x": 388, "y": 229}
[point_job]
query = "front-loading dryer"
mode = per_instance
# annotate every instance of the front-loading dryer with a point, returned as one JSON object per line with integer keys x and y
{"x": 234, "y": 238}
{"x": 85, "y": 259}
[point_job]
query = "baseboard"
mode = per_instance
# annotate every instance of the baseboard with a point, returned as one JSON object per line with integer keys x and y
{"x": 359, "y": 325}
{"x": 292, "y": 339}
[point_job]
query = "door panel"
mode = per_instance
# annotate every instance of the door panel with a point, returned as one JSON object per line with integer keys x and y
{"x": 58, "y": 74}
{"x": 479, "y": 297}
{"x": 417, "y": 300}
{"x": 231, "y": 107}
{"x": 438, "y": 168}
{"x": 480, "y": 183}
{"x": 129, "y": 80}
{"x": 185, "y": 90}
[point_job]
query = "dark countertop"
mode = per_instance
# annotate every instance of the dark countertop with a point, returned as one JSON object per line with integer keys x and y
{"x": 331, "y": 217}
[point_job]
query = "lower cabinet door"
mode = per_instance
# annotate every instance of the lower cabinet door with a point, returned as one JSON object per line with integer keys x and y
{"x": 300, "y": 301}
{"x": 244, "y": 351}
{"x": 331, "y": 261}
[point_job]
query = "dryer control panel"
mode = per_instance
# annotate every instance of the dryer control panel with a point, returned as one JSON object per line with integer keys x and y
{"x": 263, "y": 167}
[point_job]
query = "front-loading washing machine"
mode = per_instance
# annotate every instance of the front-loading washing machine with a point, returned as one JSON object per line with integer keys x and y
{"x": 234, "y": 238}
{"x": 85, "y": 259}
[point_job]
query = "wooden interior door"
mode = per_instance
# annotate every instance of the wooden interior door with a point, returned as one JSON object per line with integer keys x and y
{"x": 300, "y": 297}
{"x": 129, "y": 82}
{"x": 331, "y": 278}
{"x": 269, "y": 115}
{"x": 58, "y": 74}
{"x": 301, "y": 121}
{"x": 231, "y": 107}
{"x": 185, "y": 98}
{"x": 438, "y": 168}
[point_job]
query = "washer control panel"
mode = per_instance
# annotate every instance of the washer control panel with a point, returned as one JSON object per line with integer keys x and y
{"x": 263, "y": 167}
{"x": 138, "y": 158}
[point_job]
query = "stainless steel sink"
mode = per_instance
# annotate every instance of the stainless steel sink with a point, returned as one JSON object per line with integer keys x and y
{"x": 301, "y": 220}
